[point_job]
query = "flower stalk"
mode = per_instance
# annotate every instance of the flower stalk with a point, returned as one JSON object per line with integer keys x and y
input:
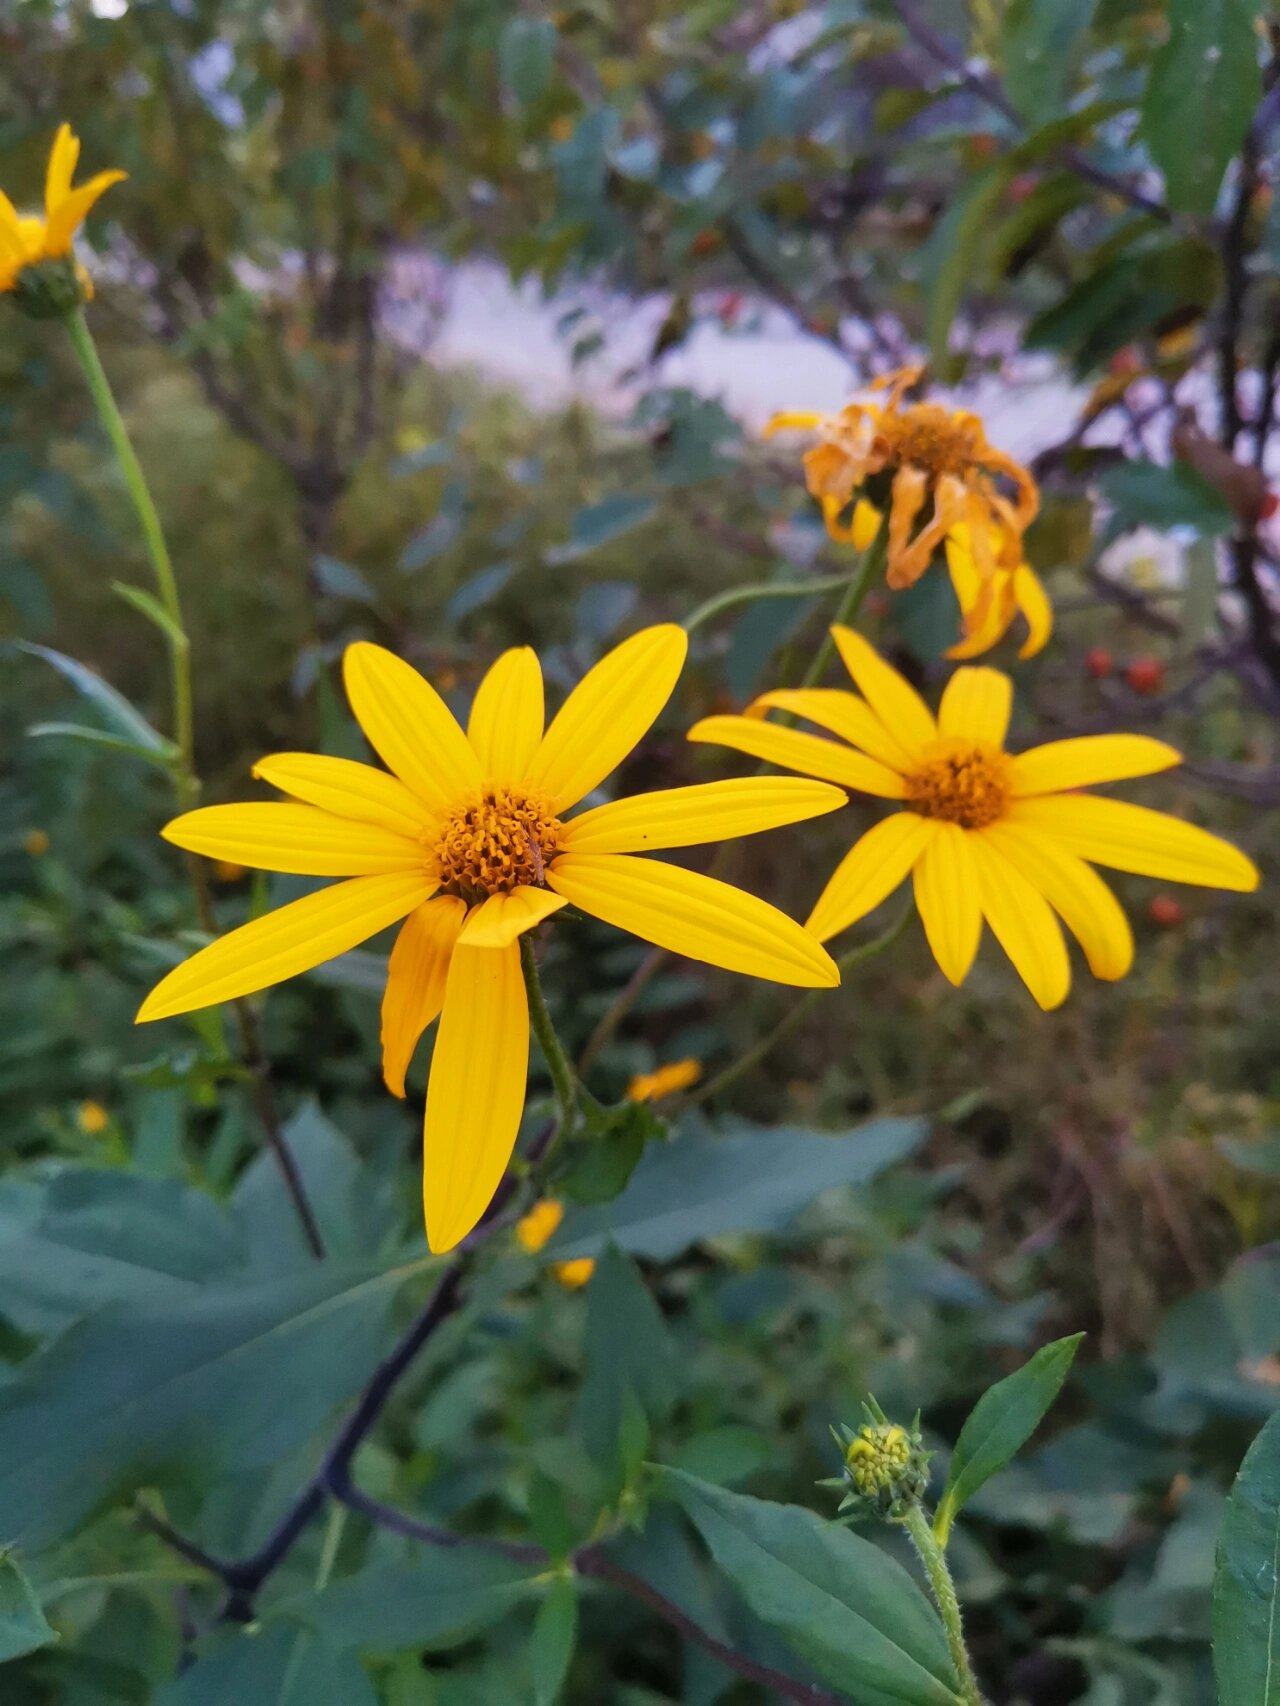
{"x": 917, "y": 1525}
{"x": 563, "y": 1078}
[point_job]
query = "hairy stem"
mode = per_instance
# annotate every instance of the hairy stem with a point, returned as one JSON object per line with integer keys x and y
{"x": 863, "y": 578}
{"x": 934, "y": 1560}
{"x": 563, "y": 1077}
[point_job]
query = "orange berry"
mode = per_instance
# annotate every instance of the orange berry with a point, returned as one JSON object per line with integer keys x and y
{"x": 1145, "y": 675}
{"x": 1125, "y": 361}
{"x": 1098, "y": 662}
{"x": 1165, "y": 911}
{"x": 706, "y": 243}
{"x": 983, "y": 145}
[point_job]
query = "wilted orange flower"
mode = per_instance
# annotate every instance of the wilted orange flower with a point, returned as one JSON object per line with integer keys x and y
{"x": 27, "y": 239}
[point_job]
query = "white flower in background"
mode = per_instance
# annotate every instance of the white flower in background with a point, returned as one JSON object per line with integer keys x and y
{"x": 1146, "y": 560}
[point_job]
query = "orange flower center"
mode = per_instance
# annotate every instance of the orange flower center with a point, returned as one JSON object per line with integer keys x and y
{"x": 962, "y": 783}
{"x": 499, "y": 840}
{"x": 930, "y": 438}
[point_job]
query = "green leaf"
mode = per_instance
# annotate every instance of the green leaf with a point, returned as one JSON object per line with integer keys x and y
{"x": 340, "y": 1194}
{"x": 955, "y": 248}
{"x": 282, "y": 1665}
{"x": 615, "y": 1142}
{"x": 337, "y": 579}
{"x": 1148, "y": 494}
{"x": 628, "y": 1356}
{"x": 1040, "y": 40}
{"x": 148, "y": 605}
{"x": 118, "y": 714}
{"x": 526, "y": 58}
{"x": 839, "y": 1602}
{"x": 23, "y": 1626}
{"x": 752, "y": 1179}
{"x": 600, "y": 524}
{"x": 101, "y": 737}
{"x": 555, "y": 1631}
{"x": 1246, "y": 1587}
{"x": 1001, "y": 1423}
{"x": 1204, "y": 86}
{"x": 444, "y": 1597}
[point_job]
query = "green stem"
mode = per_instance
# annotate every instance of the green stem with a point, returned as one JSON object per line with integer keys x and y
{"x": 868, "y": 571}
{"x": 770, "y": 589}
{"x": 562, "y": 1074}
{"x": 166, "y": 582}
{"x": 917, "y": 1526}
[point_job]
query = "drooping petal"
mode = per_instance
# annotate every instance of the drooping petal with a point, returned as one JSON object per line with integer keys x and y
{"x": 608, "y": 713}
{"x": 63, "y": 157}
{"x": 1023, "y": 923}
{"x": 865, "y": 525}
{"x": 290, "y": 940}
{"x": 1086, "y": 760}
{"x": 475, "y": 1094}
{"x": 281, "y": 836}
{"x": 351, "y": 790}
{"x": 499, "y": 920}
{"x": 1076, "y": 893}
{"x": 1132, "y": 838}
{"x": 843, "y": 713}
{"x": 71, "y": 213}
{"x": 897, "y": 704}
{"x": 507, "y": 714}
{"x": 708, "y": 811}
{"x": 809, "y": 754}
{"x": 946, "y": 888}
{"x": 694, "y": 915}
{"x": 410, "y": 726}
{"x": 1033, "y": 601}
{"x": 792, "y": 420}
{"x": 871, "y": 869}
{"x": 975, "y": 706}
{"x": 416, "y": 975}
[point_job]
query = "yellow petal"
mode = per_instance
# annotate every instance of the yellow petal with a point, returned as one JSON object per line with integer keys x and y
{"x": 610, "y": 710}
{"x": 1086, "y": 760}
{"x": 476, "y": 1090}
{"x": 1024, "y": 925}
{"x": 865, "y": 524}
{"x": 1131, "y": 838}
{"x": 12, "y": 247}
{"x": 897, "y": 704}
{"x": 72, "y": 212}
{"x": 505, "y": 726}
{"x": 500, "y": 919}
{"x": 272, "y": 836}
{"x": 871, "y": 869}
{"x": 1033, "y": 602}
{"x": 290, "y": 940}
{"x": 63, "y": 157}
{"x": 416, "y": 975}
{"x": 1076, "y": 893}
{"x": 946, "y": 887}
{"x": 693, "y": 915}
{"x": 843, "y": 713}
{"x": 709, "y": 811}
{"x": 792, "y": 420}
{"x": 349, "y": 789}
{"x": 809, "y": 754}
{"x": 975, "y": 706}
{"x": 410, "y": 726}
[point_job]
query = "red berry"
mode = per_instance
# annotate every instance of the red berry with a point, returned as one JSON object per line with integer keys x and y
{"x": 731, "y": 305}
{"x": 1125, "y": 361}
{"x": 1145, "y": 675}
{"x": 706, "y": 243}
{"x": 1099, "y": 662}
{"x": 1166, "y": 912}
{"x": 1268, "y": 507}
{"x": 983, "y": 145}
{"x": 1022, "y": 186}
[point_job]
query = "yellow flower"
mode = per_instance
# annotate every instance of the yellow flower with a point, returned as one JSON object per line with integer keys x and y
{"x": 906, "y": 456}
{"x": 536, "y": 1228}
{"x": 984, "y": 834}
{"x": 92, "y": 1118}
{"x": 664, "y": 1081}
{"x": 28, "y": 239}
{"x": 36, "y": 843}
{"x": 573, "y": 1275}
{"x": 466, "y": 840}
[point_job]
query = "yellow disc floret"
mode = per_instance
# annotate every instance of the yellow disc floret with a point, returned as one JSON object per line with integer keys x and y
{"x": 877, "y": 1457}
{"x": 961, "y": 782}
{"x": 501, "y": 839}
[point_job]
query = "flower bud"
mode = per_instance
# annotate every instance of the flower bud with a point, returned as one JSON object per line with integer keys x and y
{"x": 50, "y": 289}
{"x": 886, "y": 1467}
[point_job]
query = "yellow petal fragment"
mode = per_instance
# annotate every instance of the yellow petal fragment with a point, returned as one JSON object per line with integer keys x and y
{"x": 843, "y": 713}
{"x": 349, "y": 789}
{"x": 290, "y": 940}
{"x": 865, "y": 524}
{"x": 809, "y": 754}
{"x": 893, "y": 699}
{"x": 792, "y": 420}
{"x": 608, "y": 713}
{"x": 71, "y": 213}
{"x": 1132, "y": 838}
{"x": 1033, "y": 601}
{"x": 1024, "y": 925}
{"x": 475, "y": 1095}
{"x": 697, "y": 916}
{"x": 975, "y": 706}
{"x": 410, "y": 726}
{"x": 507, "y": 714}
{"x": 1086, "y": 760}
{"x": 498, "y": 921}
{"x": 416, "y": 975}
{"x": 871, "y": 870}
{"x": 63, "y": 157}
{"x": 946, "y": 888}
{"x": 1076, "y": 893}
{"x": 280, "y": 836}
{"x": 709, "y": 811}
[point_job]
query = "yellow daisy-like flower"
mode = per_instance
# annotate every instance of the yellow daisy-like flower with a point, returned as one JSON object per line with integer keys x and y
{"x": 574, "y": 1274}
{"x": 664, "y": 1081}
{"x": 28, "y": 239}
{"x": 983, "y": 833}
{"x": 536, "y": 1229}
{"x": 92, "y": 1118}
{"x": 466, "y": 840}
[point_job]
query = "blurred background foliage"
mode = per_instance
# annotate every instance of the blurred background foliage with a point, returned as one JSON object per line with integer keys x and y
{"x": 1066, "y": 207}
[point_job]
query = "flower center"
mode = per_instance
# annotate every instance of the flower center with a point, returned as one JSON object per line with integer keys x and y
{"x": 926, "y": 436}
{"x": 499, "y": 840}
{"x": 962, "y": 783}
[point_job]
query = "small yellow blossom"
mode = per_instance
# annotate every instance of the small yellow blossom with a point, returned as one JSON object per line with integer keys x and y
{"x": 28, "y": 239}
{"x": 92, "y": 1118}
{"x": 36, "y": 842}
{"x": 575, "y": 1274}
{"x": 535, "y": 1229}
{"x": 664, "y": 1081}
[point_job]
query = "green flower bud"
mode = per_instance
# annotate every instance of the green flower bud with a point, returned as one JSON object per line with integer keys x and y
{"x": 886, "y": 1468}
{"x": 49, "y": 289}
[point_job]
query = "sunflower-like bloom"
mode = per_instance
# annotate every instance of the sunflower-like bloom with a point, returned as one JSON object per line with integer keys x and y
{"x": 28, "y": 239}
{"x": 940, "y": 480}
{"x": 983, "y": 833}
{"x": 466, "y": 841}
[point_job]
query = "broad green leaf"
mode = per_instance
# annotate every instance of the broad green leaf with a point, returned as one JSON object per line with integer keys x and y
{"x": 445, "y": 1596}
{"x": 478, "y": 590}
{"x": 600, "y": 524}
{"x": 340, "y": 1194}
{"x": 23, "y": 1626}
{"x": 337, "y": 579}
{"x": 555, "y": 1630}
{"x": 1040, "y": 39}
{"x": 1246, "y": 1586}
{"x": 1147, "y": 493}
{"x": 1204, "y": 86}
{"x": 147, "y": 604}
{"x": 752, "y": 1179}
{"x": 627, "y": 1355}
{"x": 526, "y": 58}
{"x": 103, "y": 737}
{"x": 841, "y": 1603}
{"x": 282, "y": 1665}
{"x": 1001, "y": 1423}
{"x": 119, "y": 715}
